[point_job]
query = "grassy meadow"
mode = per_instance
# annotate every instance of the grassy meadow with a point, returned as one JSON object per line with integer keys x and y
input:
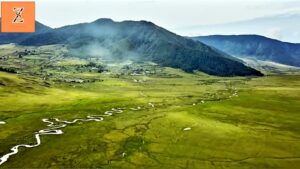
{"x": 197, "y": 121}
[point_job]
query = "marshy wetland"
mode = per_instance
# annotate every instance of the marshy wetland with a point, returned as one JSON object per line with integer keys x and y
{"x": 88, "y": 114}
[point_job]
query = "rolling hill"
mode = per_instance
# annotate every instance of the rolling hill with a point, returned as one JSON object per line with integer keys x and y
{"x": 258, "y": 47}
{"x": 142, "y": 40}
{"x": 6, "y": 38}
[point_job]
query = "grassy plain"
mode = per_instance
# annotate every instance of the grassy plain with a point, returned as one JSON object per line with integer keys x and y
{"x": 258, "y": 128}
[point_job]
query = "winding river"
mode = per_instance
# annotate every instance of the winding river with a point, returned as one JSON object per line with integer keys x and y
{"x": 54, "y": 128}
{"x": 55, "y": 125}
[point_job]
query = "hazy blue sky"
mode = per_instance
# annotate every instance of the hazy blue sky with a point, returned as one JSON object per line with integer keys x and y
{"x": 171, "y": 14}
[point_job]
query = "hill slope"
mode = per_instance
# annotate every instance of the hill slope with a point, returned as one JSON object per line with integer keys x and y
{"x": 6, "y": 38}
{"x": 142, "y": 41}
{"x": 255, "y": 46}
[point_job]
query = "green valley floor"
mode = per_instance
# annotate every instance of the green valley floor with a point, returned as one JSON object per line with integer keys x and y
{"x": 185, "y": 121}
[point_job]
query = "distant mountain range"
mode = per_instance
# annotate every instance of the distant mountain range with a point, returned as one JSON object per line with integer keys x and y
{"x": 255, "y": 46}
{"x": 18, "y": 37}
{"x": 283, "y": 27}
{"x": 140, "y": 40}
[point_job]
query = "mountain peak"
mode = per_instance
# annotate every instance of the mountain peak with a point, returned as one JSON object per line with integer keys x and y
{"x": 141, "y": 41}
{"x": 103, "y": 20}
{"x": 109, "y": 21}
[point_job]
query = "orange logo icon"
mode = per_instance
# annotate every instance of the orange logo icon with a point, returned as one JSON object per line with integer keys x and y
{"x": 17, "y": 17}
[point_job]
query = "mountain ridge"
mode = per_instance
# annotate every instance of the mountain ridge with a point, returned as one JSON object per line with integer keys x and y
{"x": 141, "y": 40}
{"x": 283, "y": 27}
{"x": 255, "y": 46}
{"x": 18, "y": 37}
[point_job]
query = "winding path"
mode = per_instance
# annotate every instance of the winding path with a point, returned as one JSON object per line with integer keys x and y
{"x": 54, "y": 128}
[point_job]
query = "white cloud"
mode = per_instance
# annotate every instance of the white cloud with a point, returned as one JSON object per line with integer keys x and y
{"x": 297, "y": 33}
{"x": 168, "y": 13}
{"x": 275, "y": 33}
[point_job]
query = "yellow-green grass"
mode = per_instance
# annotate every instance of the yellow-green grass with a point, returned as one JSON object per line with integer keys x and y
{"x": 257, "y": 129}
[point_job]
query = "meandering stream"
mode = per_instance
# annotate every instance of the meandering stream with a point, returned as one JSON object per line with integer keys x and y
{"x": 54, "y": 128}
{"x": 55, "y": 125}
